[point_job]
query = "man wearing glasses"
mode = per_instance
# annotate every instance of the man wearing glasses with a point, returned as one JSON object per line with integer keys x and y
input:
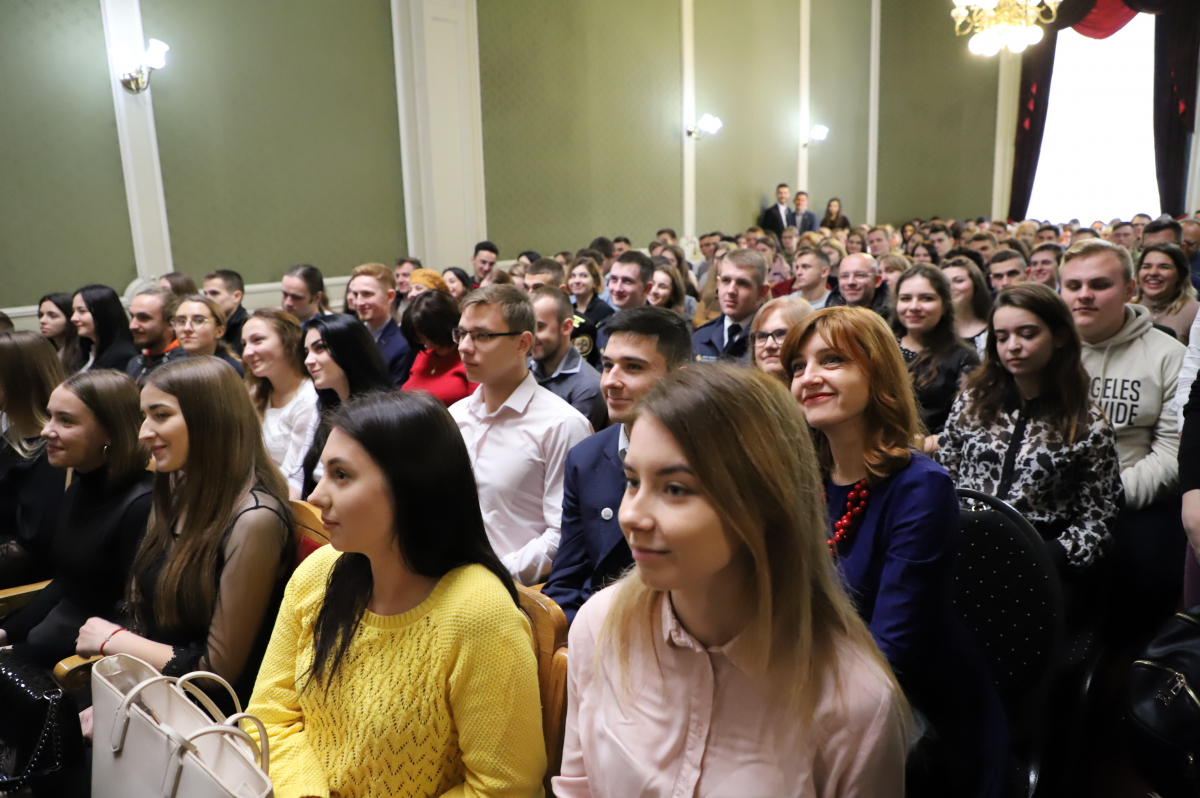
{"x": 859, "y": 279}
{"x": 149, "y": 323}
{"x": 517, "y": 433}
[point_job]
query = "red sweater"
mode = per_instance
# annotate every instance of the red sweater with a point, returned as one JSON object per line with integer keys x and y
{"x": 441, "y": 375}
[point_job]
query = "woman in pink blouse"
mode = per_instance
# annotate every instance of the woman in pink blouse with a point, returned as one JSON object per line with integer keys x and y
{"x": 729, "y": 661}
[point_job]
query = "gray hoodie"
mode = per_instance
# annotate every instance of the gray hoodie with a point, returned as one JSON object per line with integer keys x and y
{"x": 1133, "y": 381}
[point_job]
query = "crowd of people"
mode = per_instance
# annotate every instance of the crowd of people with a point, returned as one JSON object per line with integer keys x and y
{"x": 735, "y": 471}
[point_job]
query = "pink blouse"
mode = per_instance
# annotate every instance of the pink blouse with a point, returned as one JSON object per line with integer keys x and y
{"x": 706, "y": 728}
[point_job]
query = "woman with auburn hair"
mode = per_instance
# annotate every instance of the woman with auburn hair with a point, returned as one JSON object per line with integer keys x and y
{"x": 894, "y": 528}
{"x": 93, "y": 430}
{"x": 282, "y": 392}
{"x": 729, "y": 660}
{"x": 584, "y": 281}
{"x": 208, "y": 577}
{"x": 769, "y": 330}
{"x": 1031, "y": 399}
{"x": 29, "y": 486}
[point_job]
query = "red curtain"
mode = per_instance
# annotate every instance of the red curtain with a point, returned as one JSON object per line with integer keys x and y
{"x": 1106, "y": 18}
{"x": 1037, "y": 65}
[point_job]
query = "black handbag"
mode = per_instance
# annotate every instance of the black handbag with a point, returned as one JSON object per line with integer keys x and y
{"x": 41, "y": 743}
{"x": 1163, "y": 709}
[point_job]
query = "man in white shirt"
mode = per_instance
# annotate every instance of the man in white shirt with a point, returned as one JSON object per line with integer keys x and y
{"x": 517, "y": 432}
{"x": 812, "y": 277}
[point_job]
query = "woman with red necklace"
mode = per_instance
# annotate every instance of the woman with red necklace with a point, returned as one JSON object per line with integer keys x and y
{"x": 894, "y": 529}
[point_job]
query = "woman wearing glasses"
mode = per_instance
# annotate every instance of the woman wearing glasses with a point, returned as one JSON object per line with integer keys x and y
{"x": 770, "y": 327}
{"x": 199, "y": 325}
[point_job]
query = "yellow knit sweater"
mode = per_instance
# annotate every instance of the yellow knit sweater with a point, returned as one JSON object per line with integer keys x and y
{"x": 440, "y": 700}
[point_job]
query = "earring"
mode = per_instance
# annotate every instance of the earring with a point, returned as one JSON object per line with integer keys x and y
{"x": 105, "y": 451}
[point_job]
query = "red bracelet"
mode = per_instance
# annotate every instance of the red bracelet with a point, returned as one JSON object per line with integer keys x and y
{"x": 110, "y": 637}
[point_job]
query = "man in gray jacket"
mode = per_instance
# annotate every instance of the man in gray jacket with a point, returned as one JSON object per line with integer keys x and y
{"x": 556, "y": 364}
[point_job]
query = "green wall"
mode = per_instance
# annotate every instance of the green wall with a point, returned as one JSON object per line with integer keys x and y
{"x": 63, "y": 216}
{"x": 747, "y": 73}
{"x": 937, "y": 108}
{"x": 278, "y": 134}
{"x": 581, "y": 132}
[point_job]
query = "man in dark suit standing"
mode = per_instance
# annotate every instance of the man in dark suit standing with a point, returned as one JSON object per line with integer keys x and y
{"x": 373, "y": 287}
{"x": 741, "y": 288}
{"x": 645, "y": 344}
{"x": 779, "y": 215}
{"x": 806, "y": 220}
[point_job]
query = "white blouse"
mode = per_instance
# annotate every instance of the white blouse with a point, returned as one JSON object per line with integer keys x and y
{"x": 288, "y": 432}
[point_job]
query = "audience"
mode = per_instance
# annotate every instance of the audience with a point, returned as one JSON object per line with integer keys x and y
{"x": 54, "y": 321}
{"x": 401, "y": 661}
{"x": 894, "y": 524}
{"x": 584, "y": 282}
{"x": 104, "y": 338}
{"x": 199, "y": 324}
{"x": 422, "y": 280}
{"x": 97, "y": 524}
{"x": 628, "y": 284}
{"x": 733, "y": 603}
{"x": 459, "y": 283}
{"x": 770, "y": 328}
{"x": 1043, "y": 264}
{"x": 556, "y": 363}
{"x": 151, "y": 314}
{"x": 177, "y": 283}
{"x": 971, "y": 300}
{"x": 667, "y": 290}
{"x": 543, "y": 271}
{"x": 741, "y": 288}
{"x": 1006, "y": 268}
{"x": 343, "y": 362}
{"x": 304, "y": 295}
{"x": 403, "y": 274}
{"x": 1164, "y": 285}
{"x": 811, "y": 283}
{"x": 858, "y": 284}
{"x": 374, "y": 286}
{"x": 281, "y": 390}
{"x": 484, "y": 260}
{"x": 549, "y": 272}
{"x": 226, "y": 288}
{"x": 429, "y": 325}
{"x": 925, "y": 252}
{"x": 517, "y": 433}
{"x": 1133, "y": 369}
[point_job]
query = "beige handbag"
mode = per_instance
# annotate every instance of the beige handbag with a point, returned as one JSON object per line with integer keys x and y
{"x": 151, "y": 741}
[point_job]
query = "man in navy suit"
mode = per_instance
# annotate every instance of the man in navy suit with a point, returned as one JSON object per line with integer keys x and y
{"x": 806, "y": 220}
{"x": 741, "y": 288}
{"x": 645, "y": 343}
{"x": 779, "y": 215}
{"x": 372, "y": 288}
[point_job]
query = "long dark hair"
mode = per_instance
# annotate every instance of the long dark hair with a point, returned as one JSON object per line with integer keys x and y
{"x": 835, "y": 222}
{"x": 1064, "y": 400}
{"x": 438, "y": 525}
{"x": 108, "y": 317}
{"x": 69, "y": 352}
{"x": 942, "y": 340}
{"x": 314, "y": 281}
{"x": 432, "y": 314}
{"x": 355, "y": 352}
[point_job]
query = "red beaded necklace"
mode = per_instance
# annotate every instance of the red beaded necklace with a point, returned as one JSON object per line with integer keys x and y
{"x": 856, "y": 505}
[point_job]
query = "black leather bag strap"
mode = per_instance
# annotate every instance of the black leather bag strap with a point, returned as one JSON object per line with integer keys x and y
{"x": 48, "y": 743}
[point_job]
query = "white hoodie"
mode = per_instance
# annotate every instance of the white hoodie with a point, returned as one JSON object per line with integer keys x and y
{"x": 1133, "y": 381}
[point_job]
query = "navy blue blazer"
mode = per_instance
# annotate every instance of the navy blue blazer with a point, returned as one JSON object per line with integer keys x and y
{"x": 397, "y": 354}
{"x": 708, "y": 342}
{"x": 770, "y": 219}
{"x": 806, "y": 221}
{"x": 898, "y": 567}
{"x": 593, "y": 551}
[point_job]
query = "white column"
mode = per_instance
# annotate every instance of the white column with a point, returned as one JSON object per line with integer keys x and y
{"x": 873, "y": 114}
{"x": 436, "y": 47}
{"x": 1008, "y": 95}
{"x": 1192, "y": 191}
{"x": 805, "y": 83}
{"x": 138, "y": 140}
{"x": 688, "y": 114}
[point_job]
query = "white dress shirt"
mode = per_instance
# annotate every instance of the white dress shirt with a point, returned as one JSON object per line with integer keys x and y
{"x": 783, "y": 211}
{"x": 288, "y": 432}
{"x": 519, "y": 454}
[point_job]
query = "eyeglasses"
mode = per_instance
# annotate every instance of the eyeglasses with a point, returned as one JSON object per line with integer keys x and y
{"x": 760, "y": 338}
{"x": 858, "y": 276}
{"x": 197, "y": 321}
{"x": 479, "y": 336}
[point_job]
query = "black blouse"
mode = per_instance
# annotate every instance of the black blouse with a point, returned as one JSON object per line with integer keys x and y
{"x": 29, "y": 488}
{"x": 95, "y": 537}
{"x": 935, "y": 399}
{"x": 597, "y": 310}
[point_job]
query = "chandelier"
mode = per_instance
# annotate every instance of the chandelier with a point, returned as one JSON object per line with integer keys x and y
{"x": 996, "y": 24}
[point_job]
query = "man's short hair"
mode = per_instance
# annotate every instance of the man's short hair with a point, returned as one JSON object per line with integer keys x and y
{"x": 1049, "y": 246}
{"x": 233, "y": 281}
{"x": 1050, "y": 228}
{"x": 783, "y": 185}
{"x": 1119, "y": 225}
{"x": 167, "y": 299}
{"x": 668, "y": 231}
{"x": 547, "y": 266}
{"x": 588, "y": 252}
{"x": 798, "y": 193}
{"x": 748, "y": 259}
{"x": 1084, "y": 231}
{"x": 1098, "y": 246}
{"x": 382, "y": 274}
{"x": 1145, "y": 216}
{"x": 486, "y": 246}
{"x": 623, "y": 240}
{"x": 603, "y": 246}
{"x": 941, "y": 228}
{"x": 416, "y": 262}
{"x": 668, "y": 327}
{"x": 821, "y": 257}
{"x": 883, "y": 230}
{"x": 515, "y": 308}
{"x": 991, "y": 239}
{"x": 1005, "y": 255}
{"x": 562, "y": 305}
{"x": 967, "y": 253}
{"x": 1158, "y": 225}
{"x": 643, "y": 262}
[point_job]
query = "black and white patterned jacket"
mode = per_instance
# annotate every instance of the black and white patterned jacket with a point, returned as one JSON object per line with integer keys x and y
{"x": 1071, "y": 493}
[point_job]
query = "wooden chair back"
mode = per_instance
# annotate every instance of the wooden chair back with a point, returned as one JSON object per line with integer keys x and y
{"x": 550, "y": 648}
{"x": 310, "y": 533}
{"x": 14, "y": 598}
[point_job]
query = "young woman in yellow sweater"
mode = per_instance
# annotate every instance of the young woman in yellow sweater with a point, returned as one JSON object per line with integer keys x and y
{"x": 401, "y": 663}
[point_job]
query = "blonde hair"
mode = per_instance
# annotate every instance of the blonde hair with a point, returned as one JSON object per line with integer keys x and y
{"x": 29, "y": 372}
{"x": 382, "y": 274}
{"x": 757, "y": 468}
{"x": 1098, "y": 246}
{"x": 793, "y": 308}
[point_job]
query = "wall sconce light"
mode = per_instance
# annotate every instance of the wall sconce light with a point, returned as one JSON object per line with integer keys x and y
{"x": 818, "y": 133}
{"x": 154, "y": 58}
{"x": 707, "y": 124}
